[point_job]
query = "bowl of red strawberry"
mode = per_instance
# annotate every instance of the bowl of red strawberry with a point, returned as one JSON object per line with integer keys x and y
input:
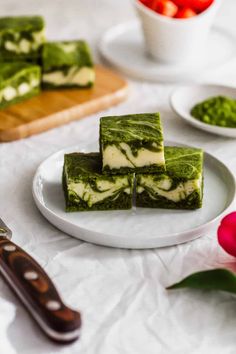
{"x": 176, "y": 31}
{"x": 181, "y": 9}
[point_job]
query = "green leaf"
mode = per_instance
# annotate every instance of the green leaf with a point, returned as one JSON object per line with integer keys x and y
{"x": 217, "y": 279}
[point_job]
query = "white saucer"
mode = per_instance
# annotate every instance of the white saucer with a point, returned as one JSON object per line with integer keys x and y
{"x": 123, "y": 46}
{"x": 136, "y": 228}
{"x": 185, "y": 97}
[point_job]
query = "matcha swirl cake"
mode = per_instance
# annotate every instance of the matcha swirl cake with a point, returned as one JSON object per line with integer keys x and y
{"x": 85, "y": 187}
{"x": 132, "y": 143}
{"x": 21, "y": 38}
{"x": 181, "y": 187}
{"x": 67, "y": 64}
{"x": 18, "y": 81}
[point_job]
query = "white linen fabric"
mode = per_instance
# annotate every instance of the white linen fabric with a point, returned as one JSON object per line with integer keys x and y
{"x": 121, "y": 293}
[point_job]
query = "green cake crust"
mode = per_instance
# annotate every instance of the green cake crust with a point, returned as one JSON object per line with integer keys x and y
{"x": 85, "y": 188}
{"x": 132, "y": 143}
{"x": 21, "y": 37}
{"x": 180, "y": 187}
{"x": 67, "y": 64}
{"x": 18, "y": 82}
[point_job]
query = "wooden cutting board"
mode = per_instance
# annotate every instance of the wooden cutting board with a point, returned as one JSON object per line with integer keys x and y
{"x": 53, "y": 108}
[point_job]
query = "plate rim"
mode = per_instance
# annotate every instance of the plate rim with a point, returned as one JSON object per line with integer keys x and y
{"x": 191, "y": 73}
{"x": 213, "y": 129}
{"x": 185, "y": 236}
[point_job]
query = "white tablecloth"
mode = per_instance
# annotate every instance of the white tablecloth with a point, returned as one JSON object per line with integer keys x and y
{"x": 121, "y": 293}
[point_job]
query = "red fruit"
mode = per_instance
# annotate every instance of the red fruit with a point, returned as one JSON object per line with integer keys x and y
{"x": 227, "y": 239}
{"x": 181, "y": 3}
{"x": 227, "y": 234}
{"x": 185, "y": 12}
{"x": 146, "y": 2}
{"x": 200, "y": 5}
{"x": 165, "y": 7}
{"x": 153, "y": 4}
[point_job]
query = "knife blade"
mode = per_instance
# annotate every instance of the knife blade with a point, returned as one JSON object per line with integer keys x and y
{"x": 4, "y": 230}
{"x": 36, "y": 291}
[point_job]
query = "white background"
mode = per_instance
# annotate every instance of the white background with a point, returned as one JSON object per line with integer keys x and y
{"x": 120, "y": 293}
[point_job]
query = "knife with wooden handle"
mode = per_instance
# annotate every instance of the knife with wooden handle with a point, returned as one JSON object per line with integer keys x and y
{"x": 36, "y": 291}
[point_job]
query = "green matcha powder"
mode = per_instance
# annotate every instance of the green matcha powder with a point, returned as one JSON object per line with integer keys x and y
{"x": 217, "y": 110}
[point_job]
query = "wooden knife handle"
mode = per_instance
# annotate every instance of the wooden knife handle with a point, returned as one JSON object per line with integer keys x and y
{"x": 37, "y": 292}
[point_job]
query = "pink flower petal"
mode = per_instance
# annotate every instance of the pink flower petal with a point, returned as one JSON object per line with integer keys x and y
{"x": 229, "y": 219}
{"x": 227, "y": 234}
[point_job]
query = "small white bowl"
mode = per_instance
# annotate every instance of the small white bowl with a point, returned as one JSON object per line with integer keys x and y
{"x": 176, "y": 41}
{"x": 185, "y": 97}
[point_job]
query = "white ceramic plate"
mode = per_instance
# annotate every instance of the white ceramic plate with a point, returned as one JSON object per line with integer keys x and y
{"x": 136, "y": 228}
{"x": 123, "y": 46}
{"x": 185, "y": 97}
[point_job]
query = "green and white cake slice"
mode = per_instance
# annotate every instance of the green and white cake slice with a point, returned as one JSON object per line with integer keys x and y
{"x": 18, "y": 81}
{"x": 67, "y": 64}
{"x": 85, "y": 187}
{"x": 21, "y": 37}
{"x": 181, "y": 187}
{"x": 132, "y": 143}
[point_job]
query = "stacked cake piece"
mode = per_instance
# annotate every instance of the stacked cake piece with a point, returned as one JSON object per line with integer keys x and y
{"x": 18, "y": 81}
{"x": 67, "y": 64}
{"x": 132, "y": 146}
{"x": 21, "y": 41}
{"x": 25, "y": 54}
{"x": 132, "y": 143}
{"x": 21, "y": 38}
{"x": 86, "y": 188}
{"x": 179, "y": 187}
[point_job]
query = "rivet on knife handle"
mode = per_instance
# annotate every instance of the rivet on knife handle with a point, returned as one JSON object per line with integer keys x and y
{"x": 38, "y": 294}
